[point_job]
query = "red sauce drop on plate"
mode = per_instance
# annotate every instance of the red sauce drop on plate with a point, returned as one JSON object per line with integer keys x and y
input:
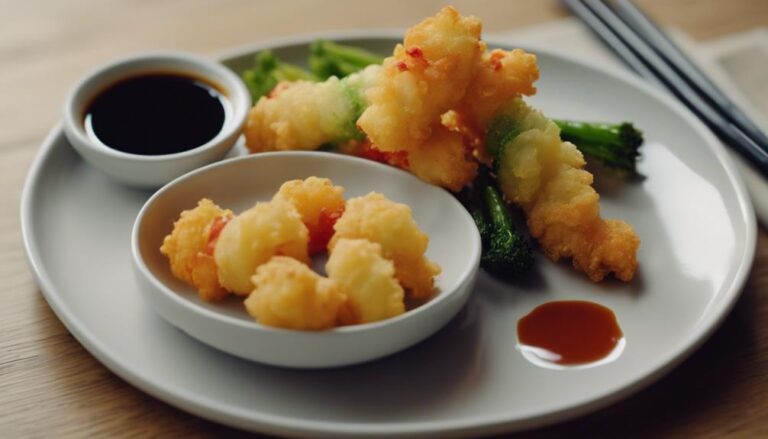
{"x": 569, "y": 332}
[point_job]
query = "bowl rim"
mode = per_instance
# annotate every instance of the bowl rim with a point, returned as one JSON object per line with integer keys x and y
{"x": 468, "y": 271}
{"x": 91, "y": 84}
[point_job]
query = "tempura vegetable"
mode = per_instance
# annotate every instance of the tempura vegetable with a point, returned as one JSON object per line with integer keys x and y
{"x": 377, "y": 219}
{"x": 189, "y": 248}
{"x": 319, "y": 203}
{"x": 367, "y": 279}
{"x": 253, "y": 237}
{"x": 305, "y": 115}
{"x": 544, "y": 175}
{"x": 288, "y": 294}
{"x": 425, "y": 77}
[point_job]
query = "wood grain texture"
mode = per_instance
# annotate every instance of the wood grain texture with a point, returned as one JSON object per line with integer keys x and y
{"x": 51, "y": 386}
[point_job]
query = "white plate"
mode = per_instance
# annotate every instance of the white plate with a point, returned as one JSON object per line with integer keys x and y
{"x": 691, "y": 212}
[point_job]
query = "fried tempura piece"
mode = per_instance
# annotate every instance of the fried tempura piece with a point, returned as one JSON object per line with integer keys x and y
{"x": 187, "y": 248}
{"x": 253, "y": 237}
{"x": 367, "y": 279}
{"x": 424, "y": 78}
{"x": 566, "y": 220}
{"x": 443, "y": 159}
{"x": 319, "y": 203}
{"x": 377, "y": 219}
{"x": 288, "y": 294}
{"x": 304, "y": 115}
{"x": 502, "y": 76}
{"x": 543, "y": 174}
{"x": 532, "y": 151}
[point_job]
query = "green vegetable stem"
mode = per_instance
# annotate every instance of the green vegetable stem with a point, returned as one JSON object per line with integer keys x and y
{"x": 615, "y": 145}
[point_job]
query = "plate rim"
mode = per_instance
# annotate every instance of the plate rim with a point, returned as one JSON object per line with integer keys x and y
{"x": 237, "y": 417}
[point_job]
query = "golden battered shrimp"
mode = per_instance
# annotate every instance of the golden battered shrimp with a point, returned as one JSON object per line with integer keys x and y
{"x": 367, "y": 279}
{"x": 443, "y": 159}
{"x": 304, "y": 115}
{"x": 424, "y": 78}
{"x": 188, "y": 248}
{"x": 253, "y": 237}
{"x": 542, "y": 174}
{"x": 502, "y": 76}
{"x": 566, "y": 220}
{"x": 377, "y": 219}
{"x": 288, "y": 294}
{"x": 319, "y": 203}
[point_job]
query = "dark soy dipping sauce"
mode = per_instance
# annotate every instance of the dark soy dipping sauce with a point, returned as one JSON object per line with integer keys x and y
{"x": 156, "y": 113}
{"x": 578, "y": 332}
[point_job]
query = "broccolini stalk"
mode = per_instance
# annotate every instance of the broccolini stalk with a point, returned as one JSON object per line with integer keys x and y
{"x": 472, "y": 199}
{"x": 508, "y": 253}
{"x": 505, "y": 252}
{"x": 328, "y": 59}
{"x": 482, "y": 224}
{"x": 268, "y": 71}
{"x": 615, "y": 145}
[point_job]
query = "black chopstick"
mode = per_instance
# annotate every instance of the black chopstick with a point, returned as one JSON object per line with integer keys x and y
{"x": 649, "y": 64}
{"x": 614, "y": 42}
{"x": 664, "y": 46}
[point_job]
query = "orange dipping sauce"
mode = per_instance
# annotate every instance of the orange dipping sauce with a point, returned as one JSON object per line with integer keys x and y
{"x": 571, "y": 332}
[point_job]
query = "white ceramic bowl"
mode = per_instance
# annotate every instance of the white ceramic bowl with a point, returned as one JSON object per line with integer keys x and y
{"x": 154, "y": 171}
{"x": 237, "y": 184}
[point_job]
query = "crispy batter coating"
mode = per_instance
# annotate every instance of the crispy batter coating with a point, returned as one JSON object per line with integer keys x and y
{"x": 186, "y": 249}
{"x": 566, "y": 220}
{"x": 319, "y": 203}
{"x": 534, "y": 155}
{"x": 377, "y": 219}
{"x": 367, "y": 279}
{"x": 253, "y": 237}
{"x": 502, "y": 76}
{"x": 304, "y": 115}
{"x": 543, "y": 174}
{"x": 288, "y": 294}
{"x": 443, "y": 159}
{"x": 424, "y": 78}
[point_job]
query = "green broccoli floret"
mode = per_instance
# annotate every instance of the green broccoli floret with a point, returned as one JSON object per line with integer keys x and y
{"x": 506, "y": 253}
{"x": 615, "y": 145}
{"x": 328, "y": 59}
{"x": 268, "y": 71}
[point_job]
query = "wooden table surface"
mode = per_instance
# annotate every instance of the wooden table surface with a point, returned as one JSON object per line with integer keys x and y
{"x": 51, "y": 386}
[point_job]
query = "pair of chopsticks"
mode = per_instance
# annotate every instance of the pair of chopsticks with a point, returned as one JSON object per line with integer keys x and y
{"x": 653, "y": 55}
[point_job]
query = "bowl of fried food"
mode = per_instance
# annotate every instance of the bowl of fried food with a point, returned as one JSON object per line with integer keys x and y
{"x": 305, "y": 259}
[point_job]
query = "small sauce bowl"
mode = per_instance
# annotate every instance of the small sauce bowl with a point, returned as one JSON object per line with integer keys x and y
{"x": 151, "y": 171}
{"x": 237, "y": 184}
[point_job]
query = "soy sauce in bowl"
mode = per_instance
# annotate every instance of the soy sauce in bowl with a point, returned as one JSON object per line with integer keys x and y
{"x": 156, "y": 114}
{"x": 147, "y": 119}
